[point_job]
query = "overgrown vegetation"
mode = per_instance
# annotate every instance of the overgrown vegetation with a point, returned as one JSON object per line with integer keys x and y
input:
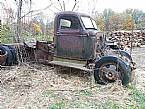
{"x": 6, "y": 35}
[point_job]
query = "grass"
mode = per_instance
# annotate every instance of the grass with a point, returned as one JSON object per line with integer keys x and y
{"x": 139, "y": 97}
{"x": 84, "y": 93}
{"x": 59, "y": 105}
{"x": 137, "y": 101}
{"x": 109, "y": 105}
{"x": 82, "y": 100}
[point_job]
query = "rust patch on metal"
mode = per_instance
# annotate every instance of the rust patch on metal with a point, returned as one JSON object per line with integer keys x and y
{"x": 3, "y": 58}
{"x": 44, "y": 52}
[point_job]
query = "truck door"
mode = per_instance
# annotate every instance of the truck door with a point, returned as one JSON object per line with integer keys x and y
{"x": 69, "y": 42}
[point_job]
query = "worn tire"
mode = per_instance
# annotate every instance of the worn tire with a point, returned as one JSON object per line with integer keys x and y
{"x": 14, "y": 54}
{"x": 122, "y": 66}
{"x": 4, "y": 56}
{"x": 9, "y": 59}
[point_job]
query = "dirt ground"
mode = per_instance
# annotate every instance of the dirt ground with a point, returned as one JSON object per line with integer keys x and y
{"x": 33, "y": 86}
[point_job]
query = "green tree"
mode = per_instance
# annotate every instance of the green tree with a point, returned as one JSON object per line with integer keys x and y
{"x": 6, "y": 35}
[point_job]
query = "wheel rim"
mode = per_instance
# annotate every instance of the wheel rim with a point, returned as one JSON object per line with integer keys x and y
{"x": 110, "y": 72}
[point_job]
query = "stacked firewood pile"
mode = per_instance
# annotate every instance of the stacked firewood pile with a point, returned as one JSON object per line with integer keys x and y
{"x": 127, "y": 39}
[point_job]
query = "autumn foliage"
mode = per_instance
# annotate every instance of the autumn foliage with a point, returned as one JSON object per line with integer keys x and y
{"x": 127, "y": 20}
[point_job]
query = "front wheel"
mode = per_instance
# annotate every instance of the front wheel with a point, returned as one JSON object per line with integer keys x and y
{"x": 110, "y": 69}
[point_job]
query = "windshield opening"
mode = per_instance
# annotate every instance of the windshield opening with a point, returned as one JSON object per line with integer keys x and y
{"x": 89, "y": 23}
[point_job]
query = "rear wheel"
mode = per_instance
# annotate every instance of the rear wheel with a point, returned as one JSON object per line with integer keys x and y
{"x": 3, "y": 55}
{"x": 110, "y": 69}
{"x": 9, "y": 59}
{"x": 14, "y": 54}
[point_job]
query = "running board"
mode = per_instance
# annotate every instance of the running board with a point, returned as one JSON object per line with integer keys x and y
{"x": 71, "y": 65}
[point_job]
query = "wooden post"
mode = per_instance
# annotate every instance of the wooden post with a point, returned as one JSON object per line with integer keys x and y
{"x": 18, "y": 29}
{"x": 0, "y": 29}
{"x": 132, "y": 23}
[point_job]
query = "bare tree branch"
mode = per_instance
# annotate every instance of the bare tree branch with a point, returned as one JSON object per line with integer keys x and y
{"x": 3, "y": 5}
{"x": 57, "y": 8}
{"x": 64, "y": 5}
{"x": 37, "y": 10}
{"x": 76, "y": 2}
{"x": 60, "y": 5}
{"x": 39, "y": 13}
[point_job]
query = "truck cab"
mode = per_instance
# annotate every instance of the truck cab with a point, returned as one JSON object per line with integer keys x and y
{"x": 75, "y": 36}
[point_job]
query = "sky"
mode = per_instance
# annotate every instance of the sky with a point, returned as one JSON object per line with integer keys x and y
{"x": 86, "y": 5}
{"x": 100, "y": 5}
{"x": 120, "y": 5}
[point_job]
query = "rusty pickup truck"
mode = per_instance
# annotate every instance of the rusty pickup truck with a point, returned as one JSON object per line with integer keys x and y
{"x": 79, "y": 44}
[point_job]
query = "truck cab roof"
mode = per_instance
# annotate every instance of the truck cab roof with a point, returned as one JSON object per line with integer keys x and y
{"x": 71, "y": 13}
